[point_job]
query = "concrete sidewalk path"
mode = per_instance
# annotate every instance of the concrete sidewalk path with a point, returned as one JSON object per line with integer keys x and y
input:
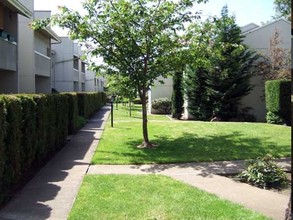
{"x": 52, "y": 192}
{"x": 204, "y": 176}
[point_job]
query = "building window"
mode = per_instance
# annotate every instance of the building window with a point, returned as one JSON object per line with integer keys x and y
{"x": 82, "y": 87}
{"x": 75, "y": 62}
{"x": 83, "y": 67}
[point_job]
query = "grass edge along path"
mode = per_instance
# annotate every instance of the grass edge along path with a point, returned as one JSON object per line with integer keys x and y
{"x": 188, "y": 141}
{"x": 150, "y": 197}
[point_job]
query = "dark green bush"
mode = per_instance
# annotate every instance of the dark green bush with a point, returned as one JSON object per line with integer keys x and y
{"x": 162, "y": 106}
{"x": 41, "y": 126}
{"x": 137, "y": 101}
{"x": 61, "y": 122}
{"x": 2, "y": 145}
{"x": 177, "y": 95}
{"x": 81, "y": 121}
{"x": 28, "y": 130}
{"x": 73, "y": 113}
{"x": 278, "y": 94}
{"x": 274, "y": 118}
{"x": 12, "y": 140}
{"x": 89, "y": 103}
{"x": 264, "y": 173}
{"x": 33, "y": 127}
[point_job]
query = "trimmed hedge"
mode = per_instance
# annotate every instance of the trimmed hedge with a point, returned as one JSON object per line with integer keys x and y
{"x": 73, "y": 113}
{"x": 278, "y": 93}
{"x": 2, "y": 145}
{"x": 89, "y": 103}
{"x": 33, "y": 128}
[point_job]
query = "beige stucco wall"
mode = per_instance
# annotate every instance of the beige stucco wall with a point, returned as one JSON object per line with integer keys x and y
{"x": 159, "y": 90}
{"x": 259, "y": 40}
{"x": 26, "y": 61}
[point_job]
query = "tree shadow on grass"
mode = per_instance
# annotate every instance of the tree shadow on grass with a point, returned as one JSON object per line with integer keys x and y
{"x": 193, "y": 148}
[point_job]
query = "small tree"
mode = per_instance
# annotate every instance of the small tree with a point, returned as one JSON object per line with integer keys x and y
{"x": 177, "y": 95}
{"x": 136, "y": 39}
{"x": 275, "y": 65}
{"x": 221, "y": 70}
{"x": 198, "y": 92}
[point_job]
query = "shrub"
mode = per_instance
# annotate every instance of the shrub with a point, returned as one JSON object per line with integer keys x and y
{"x": 162, "y": 105}
{"x": 12, "y": 140}
{"x": 61, "y": 123}
{"x": 2, "y": 145}
{"x": 177, "y": 96}
{"x": 73, "y": 113}
{"x": 137, "y": 101}
{"x": 274, "y": 118}
{"x": 264, "y": 173}
{"x": 277, "y": 94}
{"x": 28, "y": 130}
{"x": 41, "y": 126}
{"x": 32, "y": 128}
{"x": 81, "y": 121}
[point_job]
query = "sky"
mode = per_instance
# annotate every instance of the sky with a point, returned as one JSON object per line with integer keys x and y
{"x": 245, "y": 11}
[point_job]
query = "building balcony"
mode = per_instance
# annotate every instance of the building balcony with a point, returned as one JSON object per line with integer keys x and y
{"x": 75, "y": 75}
{"x": 8, "y": 55}
{"x": 42, "y": 64}
{"x": 82, "y": 78}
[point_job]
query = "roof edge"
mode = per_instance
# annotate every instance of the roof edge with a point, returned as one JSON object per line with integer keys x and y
{"x": 15, "y": 5}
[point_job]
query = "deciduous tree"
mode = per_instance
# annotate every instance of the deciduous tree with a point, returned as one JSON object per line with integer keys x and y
{"x": 135, "y": 38}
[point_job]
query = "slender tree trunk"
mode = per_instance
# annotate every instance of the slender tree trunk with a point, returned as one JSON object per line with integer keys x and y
{"x": 129, "y": 107}
{"x": 146, "y": 142}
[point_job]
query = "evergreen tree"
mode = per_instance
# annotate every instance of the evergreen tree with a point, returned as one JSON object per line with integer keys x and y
{"x": 232, "y": 66}
{"x": 177, "y": 96}
{"x": 198, "y": 92}
{"x": 222, "y": 68}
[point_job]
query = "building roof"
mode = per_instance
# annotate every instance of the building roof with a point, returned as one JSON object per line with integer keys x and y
{"x": 268, "y": 24}
{"x": 47, "y": 31}
{"x": 248, "y": 27}
{"x": 16, "y": 6}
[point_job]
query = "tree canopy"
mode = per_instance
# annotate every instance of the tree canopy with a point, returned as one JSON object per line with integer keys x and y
{"x": 136, "y": 38}
{"x": 220, "y": 70}
{"x": 283, "y": 8}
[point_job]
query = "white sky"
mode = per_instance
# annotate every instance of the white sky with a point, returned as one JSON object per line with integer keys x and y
{"x": 246, "y": 11}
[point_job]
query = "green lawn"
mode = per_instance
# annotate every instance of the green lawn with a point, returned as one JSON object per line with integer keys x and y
{"x": 150, "y": 197}
{"x": 188, "y": 141}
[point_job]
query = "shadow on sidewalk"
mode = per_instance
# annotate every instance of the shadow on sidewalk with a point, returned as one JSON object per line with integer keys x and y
{"x": 35, "y": 199}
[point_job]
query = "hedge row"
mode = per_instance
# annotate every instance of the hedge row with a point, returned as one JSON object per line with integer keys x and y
{"x": 278, "y": 93}
{"x": 33, "y": 127}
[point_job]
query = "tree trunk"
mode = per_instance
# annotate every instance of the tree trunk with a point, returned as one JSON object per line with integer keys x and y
{"x": 129, "y": 107}
{"x": 146, "y": 142}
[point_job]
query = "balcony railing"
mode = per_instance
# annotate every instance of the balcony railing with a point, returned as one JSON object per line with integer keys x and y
{"x": 42, "y": 64}
{"x": 8, "y": 55}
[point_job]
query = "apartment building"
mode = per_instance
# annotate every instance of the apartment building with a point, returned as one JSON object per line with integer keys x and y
{"x": 43, "y": 39}
{"x": 93, "y": 83}
{"x": 258, "y": 39}
{"x": 37, "y": 61}
{"x": 69, "y": 70}
{"x": 25, "y": 54}
{"x": 12, "y": 14}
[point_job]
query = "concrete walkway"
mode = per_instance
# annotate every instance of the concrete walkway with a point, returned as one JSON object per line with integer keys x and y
{"x": 204, "y": 176}
{"x": 52, "y": 192}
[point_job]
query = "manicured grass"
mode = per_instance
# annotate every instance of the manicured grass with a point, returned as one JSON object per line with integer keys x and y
{"x": 150, "y": 197}
{"x": 188, "y": 141}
